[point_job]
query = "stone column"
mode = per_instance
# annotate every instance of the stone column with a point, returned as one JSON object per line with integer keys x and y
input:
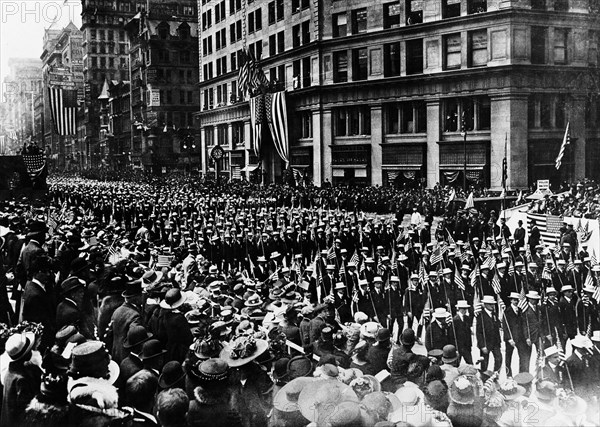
{"x": 317, "y": 172}
{"x": 376, "y": 141}
{"x": 433, "y": 139}
{"x": 509, "y": 123}
{"x": 203, "y": 153}
{"x": 326, "y": 141}
{"x": 577, "y": 129}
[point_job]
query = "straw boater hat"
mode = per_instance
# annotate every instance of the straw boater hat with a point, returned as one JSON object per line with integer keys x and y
{"x": 318, "y": 399}
{"x": 488, "y": 299}
{"x": 91, "y": 359}
{"x": 462, "y": 304}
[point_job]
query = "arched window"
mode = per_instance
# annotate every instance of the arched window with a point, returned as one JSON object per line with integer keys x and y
{"x": 184, "y": 31}
{"x": 163, "y": 30}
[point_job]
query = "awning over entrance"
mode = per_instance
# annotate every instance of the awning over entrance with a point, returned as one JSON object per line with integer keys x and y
{"x": 249, "y": 168}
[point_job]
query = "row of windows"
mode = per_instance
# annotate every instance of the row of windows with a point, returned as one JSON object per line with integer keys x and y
{"x": 169, "y": 97}
{"x": 164, "y": 55}
{"x": 103, "y": 48}
{"x": 222, "y": 134}
{"x": 109, "y": 35}
{"x": 547, "y": 112}
{"x": 175, "y": 119}
{"x": 164, "y": 31}
{"x": 106, "y": 62}
{"x": 183, "y": 76}
{"x": 221, "y": 95}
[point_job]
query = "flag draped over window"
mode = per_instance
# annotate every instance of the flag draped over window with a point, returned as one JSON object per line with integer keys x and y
{"x": 257, "y": 108}
{"x": 566, "y": 141}
{"x": 63, "y": 106}
{"x": 276, "y": 115}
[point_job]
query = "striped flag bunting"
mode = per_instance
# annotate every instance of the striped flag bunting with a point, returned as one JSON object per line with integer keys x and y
{"x": 477, "y": 304}
{"x": 473, "y": 276}
{"x": 549, "y": 226}
{"x": 426, "y": 311}
{"x": 488, "y": 386}
{"x": 276, "y": 115}
{"x": 570, "y": 265}
{"x": 593, "y": 259}
{"x": 354, "y": 258}
{"x": 458, "y": 279}
{"x": 566, "y": 141}
{"x": 490, "y": 262}
{"x": 257, "y": 110}
{"x": 63, "y": 107}
{"x": 589, "y": 281}
{"x": 596, "y": 294}
{"x": 422, "y": 274}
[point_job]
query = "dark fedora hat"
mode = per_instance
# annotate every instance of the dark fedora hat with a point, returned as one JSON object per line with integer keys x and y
{"x": 172, "y": 375}
{"x": 133, "y": 288}
{"x": 71, "y": 284}
{"x": 136, "y": 335}
{"x": 78, "y": 264}
{"x": 36, "y": 227}
{"x": 151, "y": 349}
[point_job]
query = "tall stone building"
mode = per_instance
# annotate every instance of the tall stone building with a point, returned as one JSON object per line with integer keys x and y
{"x": 409, "y": 92}
{"x": 62, "y": 59}
{"x": 21, "y": 86}
{"x": 164, "y": 78}
{"x": 106, "y": 55}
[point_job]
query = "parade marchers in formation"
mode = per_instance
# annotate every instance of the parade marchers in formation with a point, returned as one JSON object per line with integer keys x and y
{"x": 177, "y": 303}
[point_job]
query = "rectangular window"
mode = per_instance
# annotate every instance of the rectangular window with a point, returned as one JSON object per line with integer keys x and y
{"x": 561, "y": 5}
{"x": 296, "y": 39}
{"x": 450, "y": 8}
{"x": 391, "y": 59}
{"x": 391, "y": 15}
{"x": 233, "y": 61}
{"x": 306, "y": 78}
{"x": 593, "y": 48}
{"x": 280, "y": 42}
{"x": 272, "y": 45}
{"x": 561, "y": 37}
{"x": 538, "y": 45}
{"x": 306, "y": 32}
{"x": 476, "y": 6}
{"x": 359, "y": 64}
{"x": 392, "y": 115}
{"x": 271, "y": 12}
{"x": 340, "y": 66}
{"x": 306, "y": 124}
{"x": 414, "y": 56}
{"x": 560, "y": 112}
{"x": 414, "y": 12}
{"x": 478, "y": 41}
{"x": 340, "y": 24}
{"x": 546, "y": 112}
{"x": 352, "y": 121}
{"x": 359, "y": 21}
{"x": 452, "y": 58}
{"x": 296, "y": 66}
{"x": 258, "y": 19}
{"x": 484, "y": 113}
{"x": 280, "y": 10}
{"x": 295, "y": 6}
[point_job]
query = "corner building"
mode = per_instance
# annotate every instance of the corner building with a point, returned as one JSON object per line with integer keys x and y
{"x": 379, "y": 93}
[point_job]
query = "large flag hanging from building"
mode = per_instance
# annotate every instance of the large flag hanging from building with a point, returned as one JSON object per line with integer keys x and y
{"x": 549, "y": 226}
{"x": 257, "y": 108}
{"x": 276, "y": 115}
{"x": 250, "y": 75}
{"x": 566, "y": 141}
{"x": 63, "y": 105}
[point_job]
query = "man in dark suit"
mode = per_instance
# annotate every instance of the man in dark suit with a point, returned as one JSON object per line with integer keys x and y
{"x": 568, "y": 317}
{"x": 393, "y": 297}
{"x": 439, "y": 334}
{"x": 39, "y": 304}
{"x": 512, "y": 325}
{"x": 534, "y": 236}
{"x": 68, "y": 311}
{"x": 531, "y": 321}
{"x": 128, "y": 314}
{"x": 554, "y": 369}
{"x": 462, "y": 329}
{"x": 578, "y": 365}
{"x": 379, "y": 300}
{"x": 488, "y": 334}
{"x": 519, "y": 235}
{"x": 33, "y": 249}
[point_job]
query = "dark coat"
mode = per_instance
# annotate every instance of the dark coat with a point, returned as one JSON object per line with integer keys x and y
{"x": 437, "y": 337}
{"x": 108, "y": 305}
{"x": 21, "y": 384}
{"x": 490, "y": 328}
{"x": 29, "y": 253}
{"x": 175, "y": 334}
{"x": 121, "y": 321}
{"x": 568, "y": 316}
{"x": 462, "y": 329}
{"x": 68, "y": 313}
{"x": 39, "y": 306}
{"x": 377, "y": 357}
{"x": 514, "y": 323}
{"x": 532, "y": 324}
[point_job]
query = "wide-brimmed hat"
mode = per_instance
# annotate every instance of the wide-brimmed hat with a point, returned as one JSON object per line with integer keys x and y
{"x": 173, "y": 299}
{"x": 462, "y": 304}
{"x": 151, "y": 278}
{"x": 462, "y": 390}
{"x": 299, "y": 366}
{"x": 253, "y": 301}
{"x": 319, "y": 398}
{"x": 172, "y": 375}
{"x": 581, "y": 341}
{"x": 369, "y": 329}
{"x": 92, "y": 359}
{"x": 286, "y": 399}
{"x": 440, "y": 313}
{"x": 545, "y": 390}
{"x": 206, "y": 348}
{"x": 19, "y": 345}
{"x": 137, "y": 334}
{"x": 488, "y": 299}
{"x": 242, "y": 350}
{"x": 511, "y": 390}
{"x": 533, "y": 295}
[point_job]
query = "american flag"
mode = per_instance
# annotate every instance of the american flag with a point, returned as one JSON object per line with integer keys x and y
{"x": 244, "y": 72}
{"x": 566, "y": 141}
{"x": 549, "y": 226}
{"x": 477, "y": 304}
{"x": 593, "y": 259}
{"x": 343, "y": 269}
{"x": 458, "y": 279}
{"x": 496, "y": 283}
{"x": 473, "y": 276}
{"x": 490, "y": 262}
{"x": 257, "y": 110}
{"x": 276, "y": 115}
{"x": 331, "y": 253}
{"x": 63, "y": 106}
{"x": 589, "y": 281}
{"x": 34, "y": 163}
{"x": 522, "y": 299}
{"x": 422, "y": 274}
{"x": 570, "y": 265}
{"x": 546, "y": 274}
{"x": 436, "y": 256}
{"x": 354, "y": 258}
